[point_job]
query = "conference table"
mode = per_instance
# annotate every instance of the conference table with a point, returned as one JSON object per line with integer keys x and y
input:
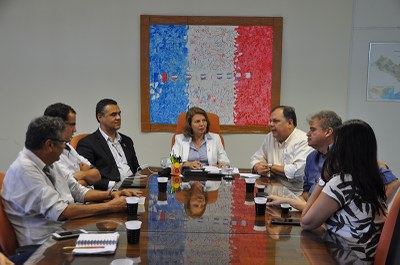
{"x": 227, "y": 232}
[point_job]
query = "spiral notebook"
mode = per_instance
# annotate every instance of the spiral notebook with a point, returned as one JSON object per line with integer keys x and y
{"x": 104, "y": 243}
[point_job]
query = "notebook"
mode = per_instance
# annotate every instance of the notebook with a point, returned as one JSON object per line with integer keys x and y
{"x": 103, "y": 243}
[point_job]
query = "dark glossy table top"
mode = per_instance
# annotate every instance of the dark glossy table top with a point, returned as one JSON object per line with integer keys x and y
{"x": 228, "y": 232}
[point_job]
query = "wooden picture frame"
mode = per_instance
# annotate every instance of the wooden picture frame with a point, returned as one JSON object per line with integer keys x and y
{"x": 261, "y": 38}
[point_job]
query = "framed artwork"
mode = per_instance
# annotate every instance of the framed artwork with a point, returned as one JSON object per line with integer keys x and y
{"x": 230, "y": 66}
{"x": 384, "y": 72}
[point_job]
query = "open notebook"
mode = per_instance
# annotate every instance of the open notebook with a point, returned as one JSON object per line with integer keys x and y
{"x": 104, "y": 243}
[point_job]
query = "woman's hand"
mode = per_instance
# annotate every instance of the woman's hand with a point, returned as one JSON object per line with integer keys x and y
{"x": 222, "y": 165}
{"x": 193, "y": 164}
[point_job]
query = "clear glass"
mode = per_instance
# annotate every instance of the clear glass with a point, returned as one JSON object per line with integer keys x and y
{"x": 227, "y": 171}
{"x": 165, "y": 162}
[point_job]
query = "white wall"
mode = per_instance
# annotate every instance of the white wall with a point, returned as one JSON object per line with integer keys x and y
{"x": 79, "y": 51}
{"x": 375, "y": 21}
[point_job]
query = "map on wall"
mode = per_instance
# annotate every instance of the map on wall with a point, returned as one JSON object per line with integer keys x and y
{"x": 384, "y": 72}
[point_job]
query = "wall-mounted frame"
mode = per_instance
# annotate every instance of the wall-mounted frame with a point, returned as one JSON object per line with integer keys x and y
{"x": 384, "y": 72}
{"x": 227, "y": 65}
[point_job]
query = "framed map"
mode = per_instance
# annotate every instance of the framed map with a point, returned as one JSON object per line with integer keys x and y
{"x": 230, "y": 66}
{"x": 384, "y": 72}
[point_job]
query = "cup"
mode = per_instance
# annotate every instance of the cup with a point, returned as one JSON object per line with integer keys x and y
{"x": 250, "y": 185}
{"x": 285, "y": 208}
{"x": 227, "y": 171}
{"x": 124, "y": 261}
{"x": 162, "y": 196}
{"x": 133, "y": 231}
{"x": 162, "y": 184}
{"x": 249, "y": 199}
{"x": 133, "y": 252}
{"x": 260, "y": 187}
{"x": 132, "y": 205}
{"x": 165, "y": 162}
{"x": 261, "y": 204}
{"x": 259, "y": 223}
{"x": 142, "y": 200}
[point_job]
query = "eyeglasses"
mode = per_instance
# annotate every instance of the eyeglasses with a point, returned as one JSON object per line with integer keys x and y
{"x": 71, "y": 124}
{"x": 61, "y": 141}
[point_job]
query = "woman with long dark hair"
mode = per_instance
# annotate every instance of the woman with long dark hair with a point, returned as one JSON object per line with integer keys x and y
{"x": 351, "y": 197}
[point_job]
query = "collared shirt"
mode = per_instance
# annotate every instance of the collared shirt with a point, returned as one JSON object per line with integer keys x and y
{"x": 70, "y": 160}
{"x": 291, "y": 153}
{"x": 33, "y": 202}
{"x": 312, "y": 172}
{"x": 201, "y": 153}
{"x": 215, "y": 150}
{"x": 119, "y": 156}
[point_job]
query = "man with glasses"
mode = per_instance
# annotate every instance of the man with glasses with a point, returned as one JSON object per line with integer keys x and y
{"x": 111, "y": 152}
{"x": 76, "y": 165}
{"x": 37, "y": 195}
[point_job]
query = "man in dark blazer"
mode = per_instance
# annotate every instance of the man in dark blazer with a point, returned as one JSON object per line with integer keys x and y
{"x": 112, "y": 153}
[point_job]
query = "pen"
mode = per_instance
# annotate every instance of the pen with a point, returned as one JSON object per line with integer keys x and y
{"x": 73, "y": 247}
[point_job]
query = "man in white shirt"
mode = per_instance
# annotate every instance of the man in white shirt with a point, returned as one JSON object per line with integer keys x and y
{"x": 38, "y": 194}
{"x": 284, "y": 150}
{"x": 75, "y": 164}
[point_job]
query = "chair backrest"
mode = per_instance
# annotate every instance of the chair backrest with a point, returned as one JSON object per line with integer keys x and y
{"x": 77, "y": 138}
{"x": 8, "y": 240}
{"x": 214, "y": 125}
{"x": 390, "y": 238}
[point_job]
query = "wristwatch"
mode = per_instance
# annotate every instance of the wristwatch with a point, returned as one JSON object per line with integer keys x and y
{"x": 321, "y": 182}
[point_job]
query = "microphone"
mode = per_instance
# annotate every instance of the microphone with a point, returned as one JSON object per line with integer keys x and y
{"x": 122, "y": 143}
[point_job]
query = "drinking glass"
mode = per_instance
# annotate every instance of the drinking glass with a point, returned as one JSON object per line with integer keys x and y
{"x": 227, "y": 171}
{"x": 164, "y": 162}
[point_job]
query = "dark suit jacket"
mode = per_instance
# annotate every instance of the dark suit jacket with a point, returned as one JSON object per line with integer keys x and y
{"x": 95, "y": 148}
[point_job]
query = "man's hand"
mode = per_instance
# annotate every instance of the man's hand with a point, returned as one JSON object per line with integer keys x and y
{"x": 84, "y": 166}
{"x": 274, "y": 200}
{"x": 117, "y": 204}
{"x": 126, "y": 193}
{"x": 261, "y": 168}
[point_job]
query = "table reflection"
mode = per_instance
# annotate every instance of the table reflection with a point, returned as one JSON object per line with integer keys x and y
{"x": 201, "y": 221}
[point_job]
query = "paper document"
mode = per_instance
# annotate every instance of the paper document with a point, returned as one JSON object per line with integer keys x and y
{"x": 249, "y": 175}
{"x": 102, "y": 243}
{"x": 214, "y": 169}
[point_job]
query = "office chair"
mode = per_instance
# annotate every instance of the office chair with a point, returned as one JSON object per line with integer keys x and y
{"x": 8, "y": 240}
{"x": 387, "y": 251}
{"x": 77, "y": 138}
{"x": 214, "y": 125}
